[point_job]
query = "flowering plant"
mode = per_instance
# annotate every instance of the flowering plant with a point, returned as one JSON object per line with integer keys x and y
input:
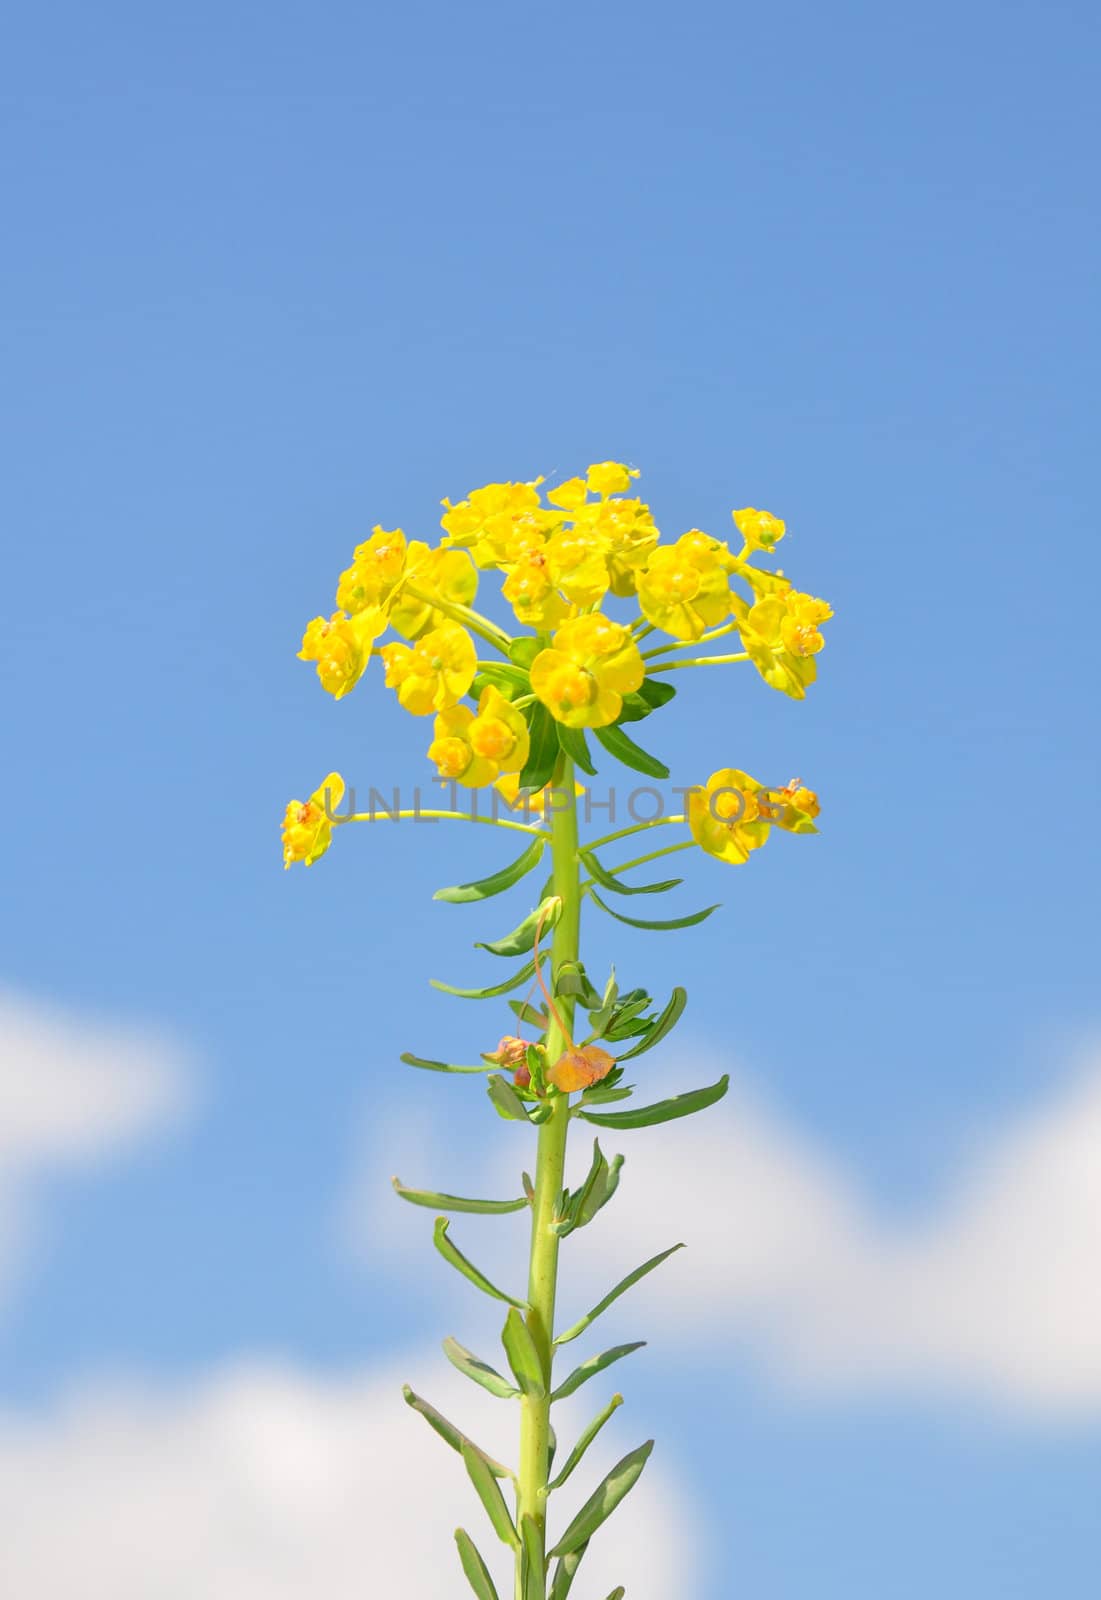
{"x": 589, "y": 580}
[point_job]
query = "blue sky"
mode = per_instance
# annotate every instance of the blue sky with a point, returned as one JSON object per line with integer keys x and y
{"x": 272, "y": 278}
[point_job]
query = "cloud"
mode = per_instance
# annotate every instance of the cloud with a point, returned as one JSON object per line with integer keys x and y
{"x": 265, "y": 1483}
{"x": 994, "y": 1292}
{"x": 73, "y": 1091}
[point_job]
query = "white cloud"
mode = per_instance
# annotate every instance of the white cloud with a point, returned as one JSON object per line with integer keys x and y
{"x": 264, "y": 1483}
{"x": 993, "y": 1292}
{"x": 72, "y": 1092}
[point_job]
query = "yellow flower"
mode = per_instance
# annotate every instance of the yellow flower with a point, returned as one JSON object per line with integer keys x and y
{"x": 341, "y": 647}
{"x": 577, "y": 562}
{"x": 435, "y": 672}
{"x": 473, "y": 749}
{"x": 592, "y": 664}
{"x": 530, "y": 590}
{"x": 759, "y": 529}
{"x": 609, "y": 477}
{"x": 726, "y": 815}
{"x": 446, "y": 575}
{"x": 489, "y": 521}
{"x": 684, "y": 587}
{"x": 376, "y": 569}
{"x": 307, "y": 830}
{"x": 781, "y": 636}
{"x": 580, "y": 1068}
{"x": 794, "y": 808}
{"x": 569, "y": 495}
{"x": 627, "y": 531}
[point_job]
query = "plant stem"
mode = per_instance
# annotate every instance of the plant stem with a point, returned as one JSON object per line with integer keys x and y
{"x": 549, "y": 1168}
{"x": 699, "y": 661}
{"x": 420, "y": 815}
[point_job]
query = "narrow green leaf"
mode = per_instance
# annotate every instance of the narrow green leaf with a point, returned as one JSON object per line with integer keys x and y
{"x": 533, "y": 1571}
{"x": 440, "y": 1066}
{"x": 601, "y": 1095}
{"x": 454, "y": 1202}
{"x": 523, "y": 1357}
{"x": 543, "y": 754}
{"x": 524, "y": 1012}
{"x": 617, "y": 1593}
{"x": 657, "y": 927}
{"x": 608, "y": 880}
{"x": 455, "y": 1258}
{"x": 601, "y": 1182}
{"x": 621, "y": 1288}
{"x": 565, "y": 1572}
{"x": 680, "y": 1105}
{"x": 663, "y": 1025}
{"x": 586, "y": 1439}
{"x": 600, "y": 1505}
{"x": 497, "y": 882}
{"x": 477, "y": 1573}
{"x": 477, "y": 1370}
{"x": 507, "y": 676}
{"x": 654, "y": 692}
{"x": 618, "y": 744}
{"x": 589, "y": 1369}
{"x": 526, "y": 972}
{"x": 575, "y": 745}
{"x": 489, "y": 1493}
{"x": 522, "y": 938}
{"x": 448, "y": 1431}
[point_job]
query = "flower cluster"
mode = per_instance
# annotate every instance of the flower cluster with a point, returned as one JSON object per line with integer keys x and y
{"x": 587, "y": 575}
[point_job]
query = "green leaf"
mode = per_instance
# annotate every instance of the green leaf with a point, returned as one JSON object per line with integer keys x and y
{"x": 525, "y": 1012}
{"x": 608, "y": 880}
{"x": 477, "y": 1573}
{"x": 526, "y": 972}
{"x": 523, "y": 1357}
{"x": 508, "y": 1102}
{"x": 574, "y": 744}
{"x": 653, "y": 692}
{"x": 680, "y": 1105}
{"x": 497, "y": 882}
{"x": 589, "y": 1369}
{"x": 454, "y": 1202}
{"x": 565, "y": 1572}
{"x": 663, "y": 1025}
{"x": 523, "y": 651}
{"x": 448, "y": 1431}
{"x": 617, "y": 1593}
{"x": 600, "y": 1184}
{"x": 617, "y": 744}
{"x": 510, "y": 678}
{"x": 455, "y": 1258}
{"x": 600, "y": 1505}
{"x": 543, "y": 754}
{"x": 586, "y": 1440}
{"x": 657, "y": 927}
{"x": 439, "y": 1066}
{"x": 477, "y": 1370}
{"x": 489, "y": 1493}
{"x": 621, "y": 1288}
{"x": 522, "y": 938}
{"x": 533, "y": 1575}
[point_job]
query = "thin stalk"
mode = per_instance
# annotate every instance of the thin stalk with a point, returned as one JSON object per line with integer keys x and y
{"x": 550, "y": 1164}
{"x": 698, "y": 661}
{"x": 641, "y": 861}
{"x": 463, "y": 614}
{"x": 683, "y": 644}
{"x": 432, "y": 816}
{"x": 637, "y": 827}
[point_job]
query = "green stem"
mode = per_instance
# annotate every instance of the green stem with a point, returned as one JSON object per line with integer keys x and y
{"x": 463, "y": 614}
{"x": 432, "y": 816}
{"x": 698, "y": 661}
{"x": 549, "y": 1169}
{"x": 637, "y": 827}
{"x": 683, "y": 644}
{"x": 641, "y": 861}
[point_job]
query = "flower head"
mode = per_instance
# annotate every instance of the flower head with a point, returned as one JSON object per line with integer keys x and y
{"x": 474, "y": 749}
{"x": 725, "y": 816}
{"x": 580, "y": 1068}
{"x": 592, "y": 663}
{"x": 794, "y": 808}
{"x": 376, "y": 570}
{"x": 781, "y": 636}
{"x": 435, "y": 672}
{"x": 341, "y": 647}
{"x": 307, "y": 824}
{"x": 491, "y": 522}
{"x": 759, "y": 529}
{"x": 610, "y": 477}
{"x": 684, "y": 587}
{"x": 441, "y": 574}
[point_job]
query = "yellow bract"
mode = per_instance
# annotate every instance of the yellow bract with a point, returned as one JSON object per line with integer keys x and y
{"x": 592, "y": 663}
{"x": 307, "y": 829}
{"x": 376, "y": 569}
{"x": 474, "y": 749}
{"x": 610, "y": 477}
{"x": 341, "y": 647}
{"x": 684, "y": 587}
{"x": 434, "y": 673}
{"x": 446, "y": 575}
{"x": 759, "y": 529}
{"x": 725, "y": 816}
{"x": 781, "y": 636}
